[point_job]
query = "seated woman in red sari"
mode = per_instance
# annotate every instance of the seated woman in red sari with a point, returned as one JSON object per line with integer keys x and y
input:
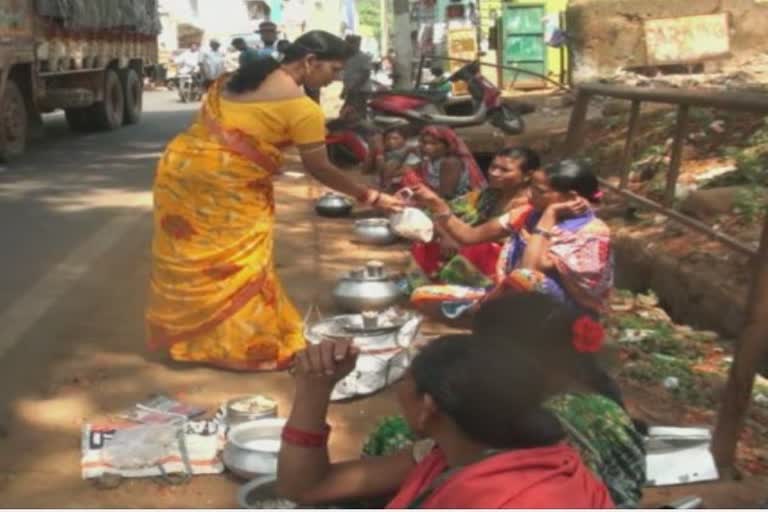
{"x": 444, "y": 260}
{"x": 556, "y": 246}
{"x": 487, "y": 440}
{"x": 447, "y": 166}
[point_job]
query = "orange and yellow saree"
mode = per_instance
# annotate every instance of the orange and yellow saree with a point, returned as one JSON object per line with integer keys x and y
{"x": 215, "y": 297}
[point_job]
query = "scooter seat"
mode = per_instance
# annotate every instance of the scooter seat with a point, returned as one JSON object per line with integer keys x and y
{"x": 431, "y": 96}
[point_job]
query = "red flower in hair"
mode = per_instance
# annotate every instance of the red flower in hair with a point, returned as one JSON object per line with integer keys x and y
{"x": 588, "y": 335}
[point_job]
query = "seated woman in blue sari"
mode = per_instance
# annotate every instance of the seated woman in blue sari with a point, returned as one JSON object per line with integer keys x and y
{"x": 556, "y": 246}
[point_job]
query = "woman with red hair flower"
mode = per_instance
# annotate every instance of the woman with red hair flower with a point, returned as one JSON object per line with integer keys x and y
{"x": 558, "y": 345}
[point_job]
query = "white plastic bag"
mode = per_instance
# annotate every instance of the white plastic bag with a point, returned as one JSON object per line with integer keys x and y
{"x": 413, "y": 224}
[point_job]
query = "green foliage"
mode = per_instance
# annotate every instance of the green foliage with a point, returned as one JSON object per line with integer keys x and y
{"x": 370, "y": 16}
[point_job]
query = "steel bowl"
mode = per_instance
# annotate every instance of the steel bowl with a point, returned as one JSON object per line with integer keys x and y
{"x": 260, "y": 493}
{"x": 333, "y": 205}
{"x": 253, "y": 447}
{"x": 236, "y": 416}
{"x": 374, "y": 232}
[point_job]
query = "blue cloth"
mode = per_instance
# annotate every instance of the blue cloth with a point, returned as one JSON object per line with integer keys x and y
{"x": 551, "y": 286}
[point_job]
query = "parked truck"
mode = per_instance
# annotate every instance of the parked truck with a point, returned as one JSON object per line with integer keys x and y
{"x": 87, "y": 57}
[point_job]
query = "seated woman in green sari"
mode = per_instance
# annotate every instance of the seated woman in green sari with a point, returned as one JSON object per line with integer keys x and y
{"x": 446, "y": 261}
{"x": 560, "y": 346}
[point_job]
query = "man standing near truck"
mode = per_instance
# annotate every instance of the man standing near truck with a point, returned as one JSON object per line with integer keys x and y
{"x": 268, "y": 33}
{"x": 189, "y": 61}
{"x": 212, "y": 64}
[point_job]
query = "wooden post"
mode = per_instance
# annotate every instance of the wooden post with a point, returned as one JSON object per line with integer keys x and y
{"x": 751, "y": 350}
{"x": 681, "y": 130}
{"x": 629, "y": 147}
{"x": 577, "y": 124}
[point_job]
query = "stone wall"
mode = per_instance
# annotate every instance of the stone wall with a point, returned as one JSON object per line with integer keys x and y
{"x": 607, "y": 35}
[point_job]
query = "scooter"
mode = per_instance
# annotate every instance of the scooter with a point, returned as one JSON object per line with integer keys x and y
{"x": 348, "y": 141}
{"x": 421, "y": 108}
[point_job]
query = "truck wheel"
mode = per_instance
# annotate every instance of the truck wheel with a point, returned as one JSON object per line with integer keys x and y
{"x": 14, "y": 122}
{"x": 133, "y": 90}
{"x": 109, "y": 114}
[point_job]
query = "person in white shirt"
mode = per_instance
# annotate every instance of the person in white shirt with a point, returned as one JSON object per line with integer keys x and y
{"x": 189, "y": 62}
{"x": 212, "y": 64}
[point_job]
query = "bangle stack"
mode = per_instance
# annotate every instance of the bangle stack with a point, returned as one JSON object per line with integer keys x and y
{"x": 306, "y": 439}
{"x": 369, "y": 197}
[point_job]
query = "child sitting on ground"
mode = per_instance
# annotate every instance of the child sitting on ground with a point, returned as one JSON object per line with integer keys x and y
{"x": 396, "y": 156}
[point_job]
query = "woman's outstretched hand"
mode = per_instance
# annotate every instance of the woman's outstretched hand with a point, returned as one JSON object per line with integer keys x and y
{"x": 425, "y": 196}
{"x": 326, "y": 363}
{"x": 389, "y": 203}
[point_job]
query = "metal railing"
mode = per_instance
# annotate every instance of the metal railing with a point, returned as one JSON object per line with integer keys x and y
{"x": 752, "y": 346}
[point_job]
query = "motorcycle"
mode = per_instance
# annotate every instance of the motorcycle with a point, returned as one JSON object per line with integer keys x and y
{"x": 190, "y": 87}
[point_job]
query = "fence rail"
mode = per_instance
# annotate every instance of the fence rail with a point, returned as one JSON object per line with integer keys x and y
{"x": 752, "y": 346}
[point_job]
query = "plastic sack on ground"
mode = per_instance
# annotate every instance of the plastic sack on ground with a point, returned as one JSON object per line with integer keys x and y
{"x": 413, "y": 224}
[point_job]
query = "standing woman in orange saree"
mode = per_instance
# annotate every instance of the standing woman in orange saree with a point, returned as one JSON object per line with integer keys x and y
{"x": 215, "y": 297}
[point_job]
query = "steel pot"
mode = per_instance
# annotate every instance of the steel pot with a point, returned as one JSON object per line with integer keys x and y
{"x": 333, "y": 205}
{"x": 237, "y": 413}
{"x": 374, "y": 232}
{"x": 370, "y": 289}
{"x": 252, "y": 448}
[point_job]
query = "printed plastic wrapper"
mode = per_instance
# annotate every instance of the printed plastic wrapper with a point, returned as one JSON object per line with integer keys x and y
{"x": 413, "y": 224}
{"x": 143, "y": 445}
{"x": 139, "y": 451}
{"x": 376, "y": 370}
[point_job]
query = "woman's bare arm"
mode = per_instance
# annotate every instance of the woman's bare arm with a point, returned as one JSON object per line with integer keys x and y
{"x": 457, "y": 229}
{"x": 305, "y": 474}
{"x": 314, "y": 157}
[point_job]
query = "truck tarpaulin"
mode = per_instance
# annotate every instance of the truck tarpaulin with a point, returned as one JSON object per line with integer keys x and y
{"x": 138, "y": 16}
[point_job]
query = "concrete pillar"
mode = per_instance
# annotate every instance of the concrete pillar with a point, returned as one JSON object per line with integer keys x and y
{"x": 403, "y": 44}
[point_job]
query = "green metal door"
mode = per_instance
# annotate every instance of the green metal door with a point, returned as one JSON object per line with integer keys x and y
{"x": 522, "y": 44}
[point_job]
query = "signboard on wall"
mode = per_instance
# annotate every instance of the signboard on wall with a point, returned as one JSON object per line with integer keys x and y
{"x": 687, "y": 40}
{"x": 462, "y": 44}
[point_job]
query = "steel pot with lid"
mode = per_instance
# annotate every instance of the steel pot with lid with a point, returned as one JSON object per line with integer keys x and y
{"x": 333, "y": 205}
{"x": 369, "y": 289}
{"x": 374, "y": 232}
